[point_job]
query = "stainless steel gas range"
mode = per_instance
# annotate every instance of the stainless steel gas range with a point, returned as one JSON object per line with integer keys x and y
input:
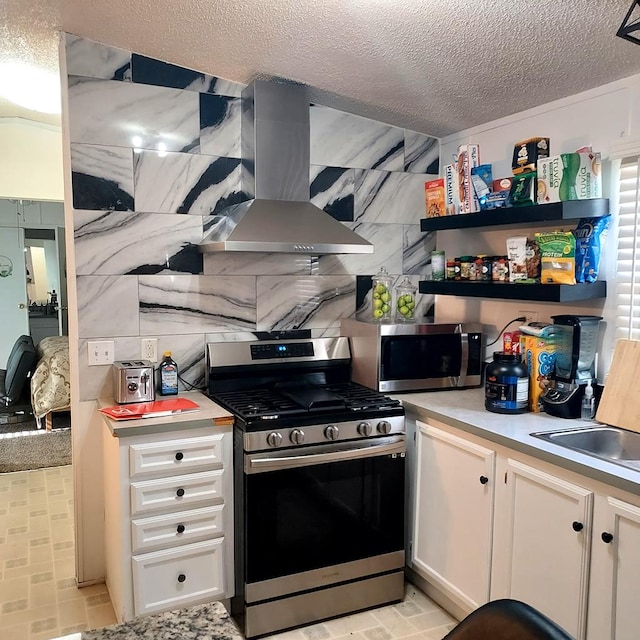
{"x": 318, "y": 482}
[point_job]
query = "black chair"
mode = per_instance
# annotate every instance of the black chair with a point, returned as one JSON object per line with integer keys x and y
{"x": 14, "y": 387}
{"x": 507, "y": 620}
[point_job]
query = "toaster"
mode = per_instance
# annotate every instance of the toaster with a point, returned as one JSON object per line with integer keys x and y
{"x": 133, "y": 381}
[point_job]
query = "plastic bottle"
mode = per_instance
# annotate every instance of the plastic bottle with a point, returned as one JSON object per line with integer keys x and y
{"x": 588, "y": 407}
{"x": 168, "y": 376}
{"x": 506, "y": 384}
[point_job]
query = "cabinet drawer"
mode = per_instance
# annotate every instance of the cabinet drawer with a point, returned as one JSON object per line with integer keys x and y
{"x": 173, "y": 457}
{"x": 176, "y": 528}
{"x": 173, "y": 578}
{"x": 177, "y": 492}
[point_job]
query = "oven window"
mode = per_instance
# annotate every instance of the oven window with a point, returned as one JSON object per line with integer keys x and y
{"x": 322, "y": 515}
{"x": 420, "y": 357}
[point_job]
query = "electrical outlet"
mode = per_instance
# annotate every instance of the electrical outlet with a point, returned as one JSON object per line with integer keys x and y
{"x": 531, "y": 316}
{"x": 100, "y": 352}
{"x": 149, "y": 349}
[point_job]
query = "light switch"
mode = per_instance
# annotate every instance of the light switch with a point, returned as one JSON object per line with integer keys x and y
{"x": 100, "y": 352}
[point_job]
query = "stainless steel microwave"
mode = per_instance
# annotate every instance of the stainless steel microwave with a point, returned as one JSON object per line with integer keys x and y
{"x": 414, "y": 357}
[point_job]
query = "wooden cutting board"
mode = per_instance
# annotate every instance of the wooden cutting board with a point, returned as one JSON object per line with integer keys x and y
{"x": 620, "y": 401}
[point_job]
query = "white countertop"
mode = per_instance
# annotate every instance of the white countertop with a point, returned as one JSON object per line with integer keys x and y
{"x": 208, "y": 414}
{"x": 465, "y": 411}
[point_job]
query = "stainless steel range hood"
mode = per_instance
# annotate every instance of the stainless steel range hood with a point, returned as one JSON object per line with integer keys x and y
{"x": 275, "y": 174}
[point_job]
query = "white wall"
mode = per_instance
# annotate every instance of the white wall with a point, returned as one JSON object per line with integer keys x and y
{"x": 30, "y": 160}
{"x": 600, "y": 118}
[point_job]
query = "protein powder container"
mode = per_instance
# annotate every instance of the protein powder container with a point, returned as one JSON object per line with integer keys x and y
{"x": 506, "y": 384}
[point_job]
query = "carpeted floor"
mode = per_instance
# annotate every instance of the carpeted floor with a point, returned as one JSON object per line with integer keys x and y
{"x": 24, "y": 447}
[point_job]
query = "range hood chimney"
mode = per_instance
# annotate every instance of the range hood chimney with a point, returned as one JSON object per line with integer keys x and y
{"x": 275, "y": 174}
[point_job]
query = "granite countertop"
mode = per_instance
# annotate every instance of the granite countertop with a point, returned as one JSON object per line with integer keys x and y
{"x": 465, "y": 411}
{"x": 209, "y": 414}
{"x": 202, "y": 622}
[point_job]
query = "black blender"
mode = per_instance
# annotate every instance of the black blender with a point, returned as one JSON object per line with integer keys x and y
{"x": 576, "y": 340}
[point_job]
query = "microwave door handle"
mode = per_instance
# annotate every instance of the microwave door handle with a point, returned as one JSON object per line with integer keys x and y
{"x": 259, "y": 465}
{"x": 464, "y": 358}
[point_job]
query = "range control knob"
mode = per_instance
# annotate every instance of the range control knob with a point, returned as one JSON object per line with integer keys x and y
{"x": 297, "y": 436}
{"x": 274, "y": 439}
{"x": 365, "y": 429}
{"x": 332, "y": 432}
{"x": 384, "y": 427}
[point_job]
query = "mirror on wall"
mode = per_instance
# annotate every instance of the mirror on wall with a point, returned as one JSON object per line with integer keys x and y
{"x": 33, "y": 284}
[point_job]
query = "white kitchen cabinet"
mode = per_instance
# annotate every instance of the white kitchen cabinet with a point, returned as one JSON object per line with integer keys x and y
{"x": 452, "y": 531}
{"x": 168, "y": 518}
{"x": 615, "y": 577}
{"x": 542, "y": 543}
{"x": 565, "y": 543}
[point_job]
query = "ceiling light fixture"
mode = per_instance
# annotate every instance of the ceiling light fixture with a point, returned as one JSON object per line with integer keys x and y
{"x": 30, "y": 87}
{"x": 631, "y": 25}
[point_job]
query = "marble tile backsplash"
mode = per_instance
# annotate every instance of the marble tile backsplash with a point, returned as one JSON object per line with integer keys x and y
{"x": 155, "y": 158}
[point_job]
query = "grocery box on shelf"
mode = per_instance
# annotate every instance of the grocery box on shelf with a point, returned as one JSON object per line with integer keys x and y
{"x": 434, "y": 198}
{"x": 451, "y": 190}
{"x": 569, "y": 176}
{"x": 468, "y": 157}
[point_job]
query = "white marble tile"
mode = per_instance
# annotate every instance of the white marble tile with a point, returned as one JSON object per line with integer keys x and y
{"x": 113, "y": 243}
{"x": 382, "y": 196}
{"x": 150, "y": 71}
{"x": 95, "y": 60}
{"x": 332, "y": 190}
{"x": 340, "y": 139}
{"x": 108, "y": 306}
{"x": 289, "y": 302}
{"x": 257, "y": 264}
{"x": 420, "y": 152}
{"x": 185, "y": 183}
{"x": 97, "y": 381}
{"x": 132, "y": 115}
{"x": 187, "y": 350}
{"x": 416, "y": 250}
{"x": 184, "y": 304}
{"x": 102, "y": 177}
{"x": 387, "y": 240}
{"x": 220, "y": 118}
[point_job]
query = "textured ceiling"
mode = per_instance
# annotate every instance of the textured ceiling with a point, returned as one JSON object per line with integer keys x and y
{"x": 436, "y": 66}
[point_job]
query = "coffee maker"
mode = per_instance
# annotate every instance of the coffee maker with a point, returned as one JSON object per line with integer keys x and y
{"x": 576, "y": 340}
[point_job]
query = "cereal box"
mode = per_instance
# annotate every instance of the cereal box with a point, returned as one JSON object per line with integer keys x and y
{"x": 451, "y": 190}
{"x": 569, "y": 176}
{"x": 468, "y": 157}
{"x": 434, "y": 196}
{"x": 539, "y": 354}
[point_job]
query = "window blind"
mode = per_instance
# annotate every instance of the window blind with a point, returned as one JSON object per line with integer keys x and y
{"x": 628, "y": 254}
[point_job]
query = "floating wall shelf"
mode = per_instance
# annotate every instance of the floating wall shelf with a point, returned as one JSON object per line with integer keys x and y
{"x": 510, "y": 291}
{"x": 521, "y": 216}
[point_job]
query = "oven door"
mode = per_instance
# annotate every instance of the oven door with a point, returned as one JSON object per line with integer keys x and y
{"x": 320, "y": 515}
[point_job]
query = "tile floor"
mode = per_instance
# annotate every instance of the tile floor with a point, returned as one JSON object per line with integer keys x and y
{"x": 39, "y": 599}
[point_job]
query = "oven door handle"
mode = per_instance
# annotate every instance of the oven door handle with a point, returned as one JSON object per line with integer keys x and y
{"x": 287, "y": 460}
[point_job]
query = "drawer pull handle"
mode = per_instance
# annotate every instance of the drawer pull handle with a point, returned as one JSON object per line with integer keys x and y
{"x": 180, "y": 528}
{"x": 577, "y": 526}
{"x": 606, "y": 537}
{"x": 179, "y": 456}
{"x": 180, "y": 492}
{"x": 182, "y": 577}
{"x": 484, "y": 479}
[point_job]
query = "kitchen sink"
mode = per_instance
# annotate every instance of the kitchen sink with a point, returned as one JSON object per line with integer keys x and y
{"x": 607, "y": 443}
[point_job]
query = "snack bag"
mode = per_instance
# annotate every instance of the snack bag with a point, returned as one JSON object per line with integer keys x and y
{"x": 558, "y": 257}
{"x": 590, "y": 233}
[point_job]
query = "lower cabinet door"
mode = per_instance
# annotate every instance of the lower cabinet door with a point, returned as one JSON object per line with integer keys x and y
{"x": 181, "y": 527}
{"x": 173, "y": 578}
